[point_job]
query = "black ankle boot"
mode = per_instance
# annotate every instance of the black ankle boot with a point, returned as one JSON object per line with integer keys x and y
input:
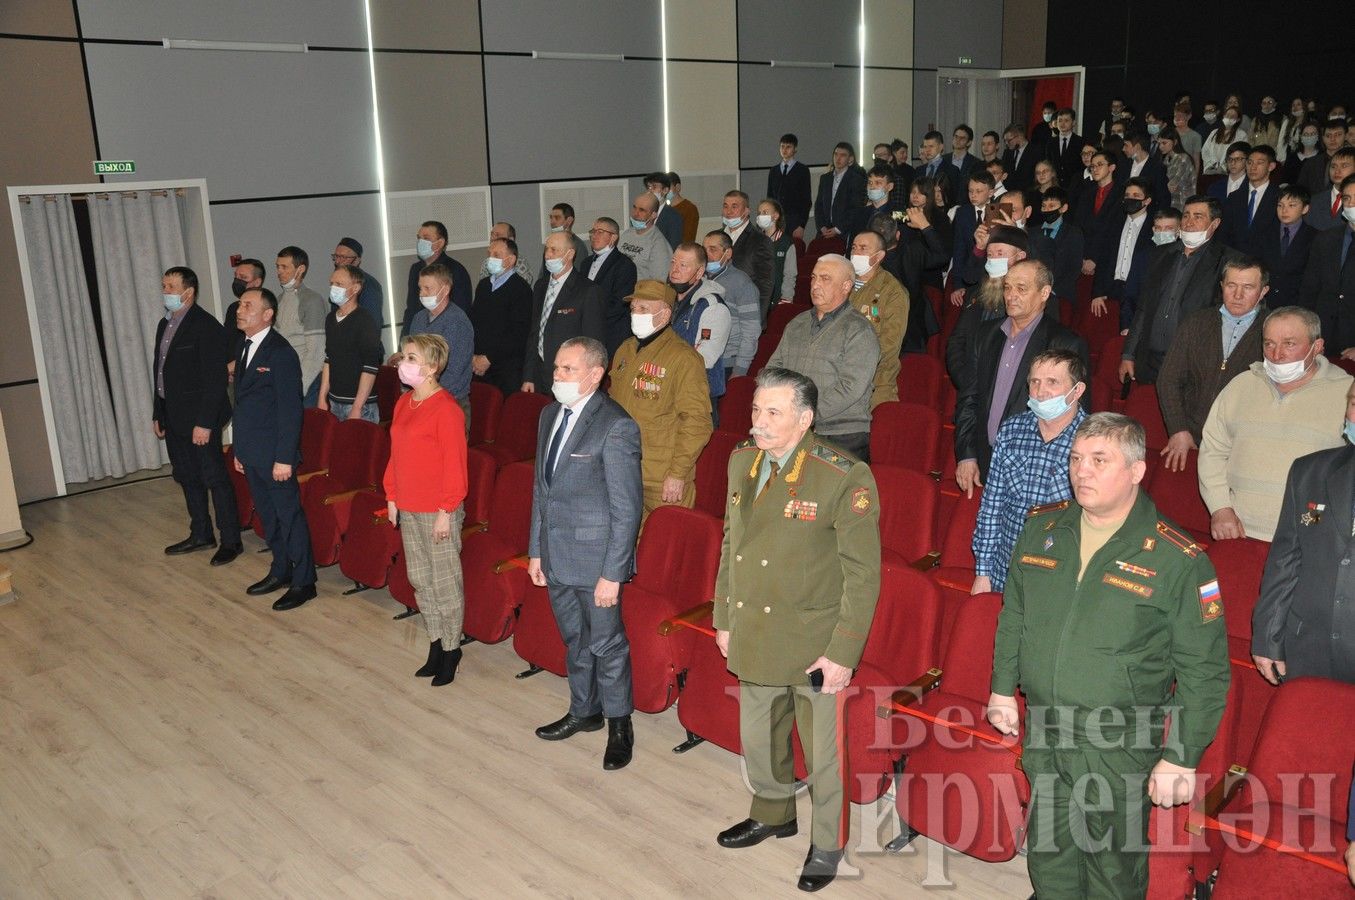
{"x": 434, "y": 656}
{"x": 447, "y": 667}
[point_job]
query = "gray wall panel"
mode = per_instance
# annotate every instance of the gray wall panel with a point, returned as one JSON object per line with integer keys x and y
{"x": 945, "y": 30}
{"x": 338, "y": 23}
{"x": 818, "y": 105}
{"x": 630, "y": 27}
{"x": 924, "y": 108}
{"x": 177, "y": 114}
{"x": 800, "y": 30}
{"x": 540, "y": 131}
{"x": 520, "y": 206}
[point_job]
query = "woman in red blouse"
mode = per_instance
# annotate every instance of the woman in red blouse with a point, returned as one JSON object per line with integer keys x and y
{"x": 425, "y": 485}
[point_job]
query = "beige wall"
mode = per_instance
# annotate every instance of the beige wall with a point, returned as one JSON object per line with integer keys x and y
{"x": 1023, "y": 33}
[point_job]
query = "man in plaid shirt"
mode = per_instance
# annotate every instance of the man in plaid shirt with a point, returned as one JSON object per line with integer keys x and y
{"x": 1030, "y": 463}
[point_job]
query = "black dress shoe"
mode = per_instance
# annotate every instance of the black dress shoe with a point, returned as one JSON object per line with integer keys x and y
{"x": 447, "y": 667}
{"x": 188, "y": 545}
{"x": 267, "y": 586}
{"x": 227, "y": 553}
{"x": 820, "y": 869}
{"x": 751, "y": 831}
{"x": 430, "y": 668}
{"x": 294, "y": 598}
{"x": 620, "y": 743}
{"x": 568, "y": 726}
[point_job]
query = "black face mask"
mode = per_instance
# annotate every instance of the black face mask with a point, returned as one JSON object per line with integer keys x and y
{"x": 1131, "y": 205}
{"x": 1050, "y": 216}
{"x": 238, "y": 287}
{"x": 681, "y": 287}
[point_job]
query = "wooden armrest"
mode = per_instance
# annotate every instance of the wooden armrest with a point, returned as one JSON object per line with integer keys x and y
{"x": 911, "y": 693}
{"x": 474, "y": 528}
{"x": 345, "y": 496}
{"x": 928, "y": 562}
{"x": 307, "y": 476}
{"x": 512, "y": 562}
{"x": 1218, "y": 797}
{"x": 682, "y": 619}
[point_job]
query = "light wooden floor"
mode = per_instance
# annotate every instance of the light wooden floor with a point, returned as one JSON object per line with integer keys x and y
{"x": 162, "y": 734}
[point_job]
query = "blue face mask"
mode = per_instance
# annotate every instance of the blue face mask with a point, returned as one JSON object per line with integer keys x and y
{"x": 337, "y": 295}
{"x": 555, "y": 266}
{"x": 1050, "y": 409}
{"x": 493, "y": 265}
{"x": 173, "y": 302}
{"x": 638, "y": 225}
{"x": 731, "y": 223}
{"x": 424, "y": 249}
{"x": 1349, "y": 431}
{"x": 877, "y": 194}
{"x": 714, "y": 268}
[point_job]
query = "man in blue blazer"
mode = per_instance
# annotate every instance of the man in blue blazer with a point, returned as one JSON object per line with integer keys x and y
{"x": 586, "y": 505}
{"x": 268, "y": 446}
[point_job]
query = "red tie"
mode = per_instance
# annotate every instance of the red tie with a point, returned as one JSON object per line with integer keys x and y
{"x": 1336, "y": 205}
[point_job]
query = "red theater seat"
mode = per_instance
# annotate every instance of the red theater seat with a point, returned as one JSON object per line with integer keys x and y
{"x": 357, "y": 461}
{"x": 1177, "y": 495}
{"x": 736, "y": 406}
{"x": 908, "y": 435}
{"x": 515, "y": 439}
{"x": 493, "y": 558}
{"x": 712, "y": 473}
{"x": 486, "y": 406}
{"x": 908, "y": 513}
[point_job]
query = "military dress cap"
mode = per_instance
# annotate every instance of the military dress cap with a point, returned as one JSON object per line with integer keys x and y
{"x": 351, "y": 244}
{"x": 653, "y": 290}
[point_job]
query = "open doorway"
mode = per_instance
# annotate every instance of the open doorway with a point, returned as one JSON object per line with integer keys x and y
{"x": 991, "y": 99}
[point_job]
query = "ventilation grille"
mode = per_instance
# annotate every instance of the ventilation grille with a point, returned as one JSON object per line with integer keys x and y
{"x": 465, "y": 212}
{"x": 590, "y": 199}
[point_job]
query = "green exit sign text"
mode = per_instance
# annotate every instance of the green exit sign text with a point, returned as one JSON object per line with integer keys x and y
{"x": 966, "y": 60}
{"x": 114, "y": 167}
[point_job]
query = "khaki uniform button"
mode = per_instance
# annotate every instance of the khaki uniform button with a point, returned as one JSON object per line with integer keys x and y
{"x": 738, "y": 558}
{"x": 766, "y": 609}
{"x": 739, "y": 605}
{"x": 764, "y": 562}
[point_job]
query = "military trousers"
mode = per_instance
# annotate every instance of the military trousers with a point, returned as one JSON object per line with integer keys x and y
{"x": 1087, "y": 833}
{"x": 766, "y": 714}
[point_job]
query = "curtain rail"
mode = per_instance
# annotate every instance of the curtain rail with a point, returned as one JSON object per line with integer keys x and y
{"x": 102, "y": 195}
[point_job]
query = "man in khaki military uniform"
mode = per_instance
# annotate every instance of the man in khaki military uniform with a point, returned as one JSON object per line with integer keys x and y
{"x": 661, "y": 382}
{"x": 794, "y": 598}
{"x": 1106, "y": 606}
{"x": 884, "y": 302}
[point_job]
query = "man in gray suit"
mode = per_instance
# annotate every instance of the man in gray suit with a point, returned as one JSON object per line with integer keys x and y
{"x": 586, "y": 506}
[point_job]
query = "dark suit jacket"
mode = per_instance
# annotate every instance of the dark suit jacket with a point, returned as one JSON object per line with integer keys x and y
{"x": 792, "y": 192}
{"x": 976, "y": 397}
{"x": 1069, "y": 163}
{"x": 462, "y": 288}
{"x": 946, "y": 174}
{"x": 1107, "y": 252}
{"x": 965, "y": 221}
{"x": 838, "y": 211}
{"x": 501, "y": 320}
{"x": 1235, "y": 230}
{"x": 1100, "y": 228}
{"x": 1286, "y": 272}
{"x": 1328, "y": 289}
{"x": 1069, "y": 247}
{"x": 754, "y": 256}
{"x": 1153, "y": 172}
{"x": 585, "y": 520}
{"x": 1021, "y": 175}
{"x": 268, "y": 405}
{"x": 1201, "y": 290}
{"x": 577, "y": 312}
{"x": 669, "y": 224}
{"x": 1296, "y": 617}
{"x": 615, "y": 281}
{"x": 968, "y": 164}
{"x": 195, "y": 374}
{"x": 1313, "y": 174}
{"x": 1319, "y": 211}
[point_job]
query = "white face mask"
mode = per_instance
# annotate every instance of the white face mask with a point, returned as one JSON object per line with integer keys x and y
{"x": 1163, "y": 237}
{"x": 1229, "y": 121}
{"x": 1284, "y": 373}
{"x": 567, "y": 392}
{"x": 1193, "y": 239}
{"x": 860, "y": 264}
{"x": 289, "y": 285}
{"x": 996, "y": 266}
{"x": 1048, "y": 117}
{"x": 1211, "y": 118}
{"x": 1348, "y": 213}
{"x": 337, "y": 295}
{"x": 642, "y": 325}
{"x": 764, "y": 221}
{"x": 429, "y": 303}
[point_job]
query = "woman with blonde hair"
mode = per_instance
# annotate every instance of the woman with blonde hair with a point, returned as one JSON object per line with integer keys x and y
{"x": 425, "y": 484}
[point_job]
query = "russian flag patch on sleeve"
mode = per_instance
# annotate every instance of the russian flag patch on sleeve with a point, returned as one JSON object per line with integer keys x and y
{"x": 1211, "y": 601}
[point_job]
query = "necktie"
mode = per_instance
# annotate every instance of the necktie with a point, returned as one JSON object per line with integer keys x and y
{"x": 776, "y": 468}
{"x": 244, "y": 359}
{"x": 931, "y": 168}
{"x": 1063, "y": 146}
{"x": 556, "y": 440}
{"x": 1336, "y": 205}
{"x": 552, "y": 291}
{"x": 1284, "y": 240}
{"x": 1251, "y": 206}
{"x": 785, "y": 168}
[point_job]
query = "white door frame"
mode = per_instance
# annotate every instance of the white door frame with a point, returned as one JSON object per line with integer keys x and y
{"x": 39, "y": 360}
{"x": 973, "y": 75}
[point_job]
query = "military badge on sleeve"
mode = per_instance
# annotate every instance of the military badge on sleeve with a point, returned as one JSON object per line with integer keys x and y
{"x": 861, "y": 501}
{"x": 1211, "y": 601}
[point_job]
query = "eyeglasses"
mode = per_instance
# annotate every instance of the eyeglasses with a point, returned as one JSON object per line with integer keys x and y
{"x": 593, "y": 231}
{"x": 336, "y": 258}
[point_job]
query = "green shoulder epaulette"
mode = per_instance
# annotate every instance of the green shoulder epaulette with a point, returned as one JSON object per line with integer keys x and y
{"x": 1047, "y": 508}
{"x": 833, "y": 456}
{"x": 1187, "y": 544}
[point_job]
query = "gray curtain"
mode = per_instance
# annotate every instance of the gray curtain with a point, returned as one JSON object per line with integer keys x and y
{"x": 137, "y": 236}
{"x": 87, "y": 437}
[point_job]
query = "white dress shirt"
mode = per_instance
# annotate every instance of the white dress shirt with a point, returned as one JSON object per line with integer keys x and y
{"x": 575, "y": 412}
{"x": 254, "y": 343}
{"x": 1129, "y": 236}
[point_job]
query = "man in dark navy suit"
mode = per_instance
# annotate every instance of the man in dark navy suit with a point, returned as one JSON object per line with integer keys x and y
{"x": 190, "y": 409}
{"x": 268, "y": 446}
{"x": 1283, "y": 246}
{"x": 788, "y": 184}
